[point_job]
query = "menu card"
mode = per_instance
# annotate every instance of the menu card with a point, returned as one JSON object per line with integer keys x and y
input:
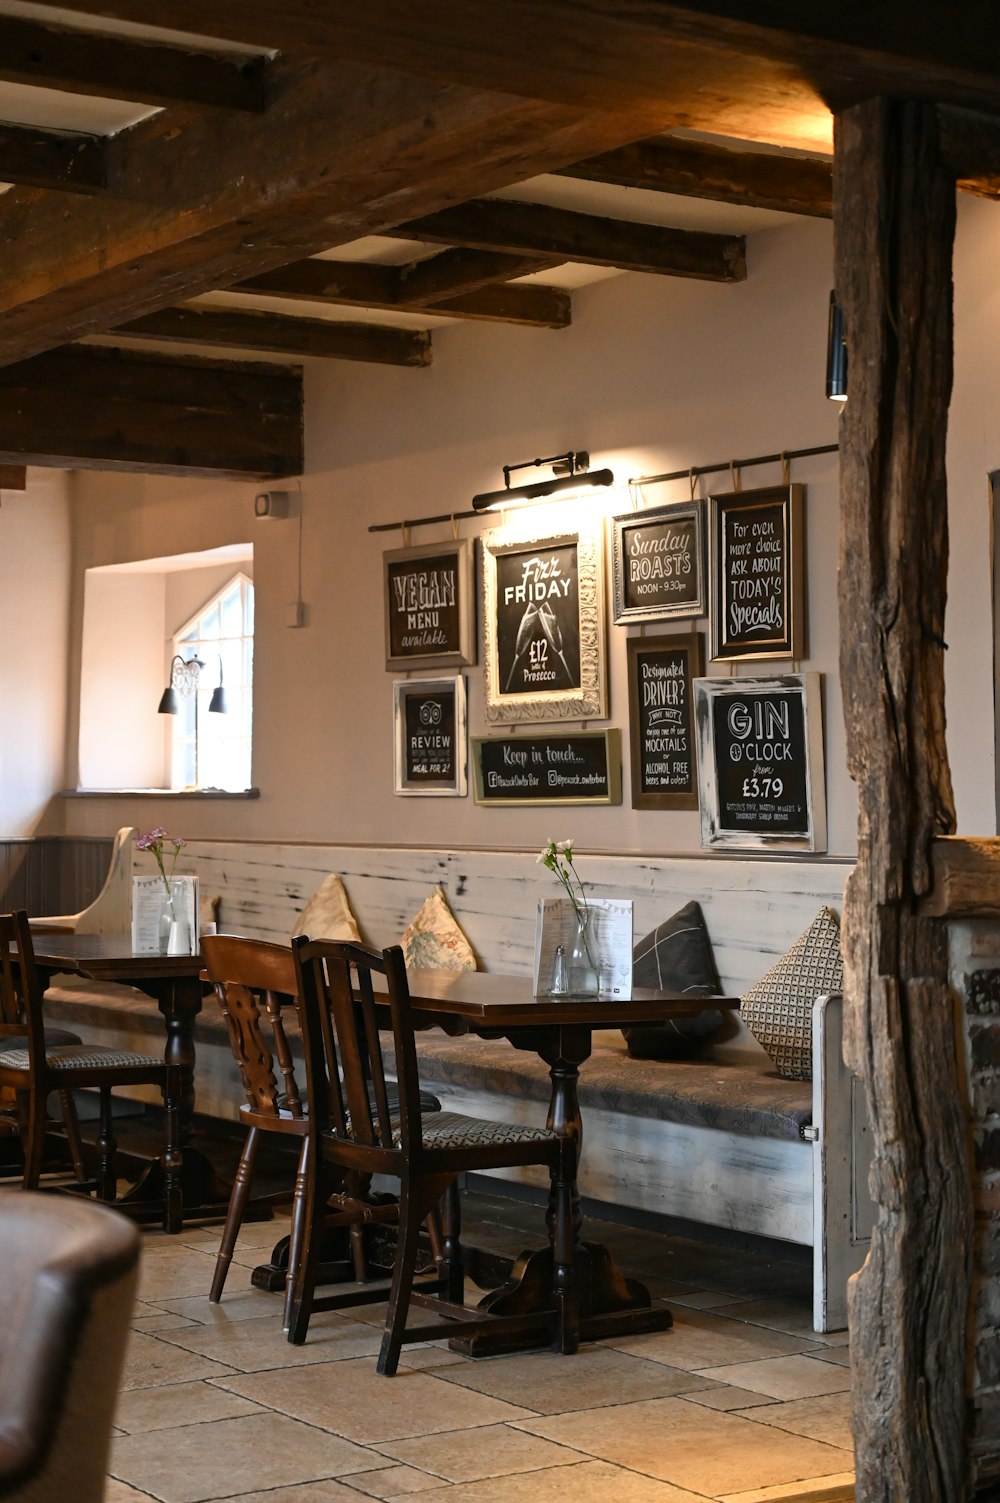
{"x": 611, "y": 934}
{"x": 149, "y": 901}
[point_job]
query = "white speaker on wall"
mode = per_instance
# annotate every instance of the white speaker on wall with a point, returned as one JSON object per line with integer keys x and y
{"x": 271, "y": 506}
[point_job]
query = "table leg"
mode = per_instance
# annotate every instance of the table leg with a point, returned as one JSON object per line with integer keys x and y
{"x": 610, "y": 1303}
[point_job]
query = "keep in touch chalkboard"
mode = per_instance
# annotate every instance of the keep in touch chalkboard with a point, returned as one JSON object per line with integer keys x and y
{"x": 661, "y": 720}
{"x": 758, "y": 604}
{"x": 658, "y": 563}
{"x": 760, "y": 758}
{"x": 553, "y": 768}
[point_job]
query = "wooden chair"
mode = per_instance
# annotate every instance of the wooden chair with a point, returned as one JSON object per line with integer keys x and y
{"x": 33, "y": 1067}
{"x": 255, "y": 983}
{"x": 354, "y": 1129}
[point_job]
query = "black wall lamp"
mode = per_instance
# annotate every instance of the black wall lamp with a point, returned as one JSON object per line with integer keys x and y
{"x": 185, "y": 676}
{"x": 836, "y": 353}
{"x": 570, "y": 472}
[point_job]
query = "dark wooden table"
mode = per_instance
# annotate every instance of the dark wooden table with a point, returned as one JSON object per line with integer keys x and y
{"x": 173, "y": 982}
{"x": 559, "y": 1032}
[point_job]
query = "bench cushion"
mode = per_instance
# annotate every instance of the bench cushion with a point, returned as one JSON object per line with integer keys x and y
{"x": 675, "y": 956}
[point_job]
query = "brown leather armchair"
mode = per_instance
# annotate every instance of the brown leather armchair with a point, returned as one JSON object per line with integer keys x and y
{"x": 66, "y": 1296}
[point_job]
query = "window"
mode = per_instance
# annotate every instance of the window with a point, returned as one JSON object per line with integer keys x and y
{"x": 210, "y": 749}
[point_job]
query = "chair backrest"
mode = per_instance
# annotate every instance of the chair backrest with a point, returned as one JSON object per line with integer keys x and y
{"x": 255, "y": 981}
{"x": 20, "y": 987}
{"x": 111, "y": 910}
{"x": 70, "y": 1271}
{"x": 345, "y": 1069}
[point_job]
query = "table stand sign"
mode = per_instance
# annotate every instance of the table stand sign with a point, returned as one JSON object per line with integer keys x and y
{"x": 152, "y": 930}
{"x": 611, "y": 937}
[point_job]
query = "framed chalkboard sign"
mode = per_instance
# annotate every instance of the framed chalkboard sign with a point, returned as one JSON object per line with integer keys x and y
{"x": 758, "y": 606}
{"x": 661, "y": 720}
{"x": 658, "y": 563}
{"x": 760, "y": 759}
{"x": 428, "y": 606}
{"x": 556, "y": 768}
{"x": 543, "y": 625}
{"x": 429, "y": 717}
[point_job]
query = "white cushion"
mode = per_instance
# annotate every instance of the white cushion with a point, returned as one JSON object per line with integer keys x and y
{"x": 327, "y": 915}
{"x": 434, "y": 939}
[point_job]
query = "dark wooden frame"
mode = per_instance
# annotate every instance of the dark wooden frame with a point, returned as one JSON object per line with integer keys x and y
{"x": 692, "y": 511}
{"x": 403, "y": 689}
{"x": 789, "y": 642}
{"x": 693, "y": 649}
{"x": 463, "y": 652}
{"x": 612, "y": 744}
{"x": 812, "y": 836}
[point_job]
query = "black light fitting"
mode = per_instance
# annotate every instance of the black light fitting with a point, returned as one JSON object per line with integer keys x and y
{"x": 185, "y": 674}
{"x": 570, "y": 472}
{"x": 836, "y": 353}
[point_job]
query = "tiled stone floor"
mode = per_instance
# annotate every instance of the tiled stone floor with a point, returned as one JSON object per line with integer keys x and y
{"x": 740, "y": 1402}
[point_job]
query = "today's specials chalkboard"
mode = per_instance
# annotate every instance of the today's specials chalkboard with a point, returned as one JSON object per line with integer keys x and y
{"x": 757, "y": 583}
{"x": 557, "y": 769}
{"x": 428, "y": 606}
{"x": 661, "y": 720}
{"x": 659, "y": 563}
{"x": 760, "y": 749}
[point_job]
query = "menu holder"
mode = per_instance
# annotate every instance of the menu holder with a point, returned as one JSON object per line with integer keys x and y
{"x": 149, "y": 908}
{"x": 611, "y": 933}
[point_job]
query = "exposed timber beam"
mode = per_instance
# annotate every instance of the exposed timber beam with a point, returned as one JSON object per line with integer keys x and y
{"x": 13, "y": 477}
{"x": 357, "y": 284}
{"x": 702, "y": 169}
{"x": 115, "y": 67}
{"x": 234, "y": 328}
{"x": 101, "y": 409}
{"x": 425, "y": 283}
{"x": 734, "y": 67}
{"x": 970, "y": 145}
{"x": 208, "y": 199}
{"x": 501, "y": 224}
{"x": 64, "y": 160}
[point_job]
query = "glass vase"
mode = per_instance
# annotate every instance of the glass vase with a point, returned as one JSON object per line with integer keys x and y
{"x": 582, "y": 975}
{"x": 166, "y": 920}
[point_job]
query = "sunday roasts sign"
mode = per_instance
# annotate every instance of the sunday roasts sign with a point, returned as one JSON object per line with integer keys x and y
{"x": 760, "y": 748}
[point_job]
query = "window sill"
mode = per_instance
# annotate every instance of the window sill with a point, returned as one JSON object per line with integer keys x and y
{"x": 161, "y": 793}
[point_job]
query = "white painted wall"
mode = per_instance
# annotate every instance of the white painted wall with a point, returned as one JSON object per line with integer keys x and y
{"x": 655, "y": 374}
{"x": 122, "y": 741}
{"x": 35, "y": 582}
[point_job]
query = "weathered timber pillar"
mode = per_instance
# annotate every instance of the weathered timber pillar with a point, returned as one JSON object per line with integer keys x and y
{"x": 894, "y": 216}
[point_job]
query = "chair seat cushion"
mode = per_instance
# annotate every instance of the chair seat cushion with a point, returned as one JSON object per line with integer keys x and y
{"x": 76, "y": 1057}
{"x": 451, "y": 1130}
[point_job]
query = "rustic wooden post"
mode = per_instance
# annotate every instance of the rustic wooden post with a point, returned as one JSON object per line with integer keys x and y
{"x": 894, "y": 215}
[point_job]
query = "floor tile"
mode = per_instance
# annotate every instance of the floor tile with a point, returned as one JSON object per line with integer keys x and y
{"x": 838, "y": 1488}
{"x": 151, "y": 1324}
{"x": 176, "y": 1405}
{"x": 704, "y": 1299}
{"x": 791, "y": 1316}
{"x": 177, "y": 1272}
{"x": 307, "y": 1492}
{"x": 699, "y": 1339}
{"x": 352, "y": 1399}
{"x": 120, "y": 1492}
{"x": 550, "y": 1383}
{"x": 231, "y": 1457}
{"x": 839, "y": 1355}
{"x": 394, "y": 1482}
{"x": 588, "y": 1482}
{"x": 249, "y": 1304}
{"x": 468, "y": 1455}
{"x": 151, "y": 1361}
{"x": 826, "y": 1418}
{"x": 257, "y": 1345}
{"x": 784, "y": 1377}
{"x": 722, "y": 1396}
{"x": 691, "y": 1446}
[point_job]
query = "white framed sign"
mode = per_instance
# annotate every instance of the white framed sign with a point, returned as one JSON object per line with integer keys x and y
{"x": 429, "y": 737}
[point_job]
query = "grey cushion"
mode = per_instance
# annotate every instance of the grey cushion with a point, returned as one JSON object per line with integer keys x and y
{"x": 675, "y": 956}
{"x": 778, "y": 1010}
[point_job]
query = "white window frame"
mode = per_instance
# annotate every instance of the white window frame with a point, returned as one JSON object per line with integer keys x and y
{"x": 232, "y": 774}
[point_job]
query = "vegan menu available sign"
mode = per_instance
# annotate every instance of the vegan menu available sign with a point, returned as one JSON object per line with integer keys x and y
{"x": 757, "y": 605}
{"x": 538, "y": 620}
{"x": 658, "y": 559}
{"x": 427, "y": 606}
{"x": 551, "y": 769}
{"x": 661, "y": 720}
{"x": 761, "y": 750}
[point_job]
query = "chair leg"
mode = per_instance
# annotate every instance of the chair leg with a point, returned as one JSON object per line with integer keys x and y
{"x": 415, "y": 1200}
{"x": 298, "y": 1229}
{"x": 302, "y": 1273}
{"x": 453, "y": 1268}
{"x": 107, "y": 1185}
{"x": 234, "y": 1215}
{"x": 173, "y": 1159}
{"x": 33, "y": 1120}
{"x": 71, "y": 1124}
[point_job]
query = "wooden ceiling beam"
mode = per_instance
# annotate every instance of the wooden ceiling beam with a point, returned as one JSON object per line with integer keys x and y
{"x": 13, "y": 477}
{"x": 349, "y": 284}
{"x": 110, "y": 67}
{"x": 103, "y": 409}
{"x": 425, "y": 283}
{"x": 970, "y": 147}
{"x": 273, "y": 332}
{"x": 702, "y": 169}
{"x": 208, "y": 199}
{"x": 501, "y": 224}
{"x": 66, "y": 161}
{"x": 734, "y": 67}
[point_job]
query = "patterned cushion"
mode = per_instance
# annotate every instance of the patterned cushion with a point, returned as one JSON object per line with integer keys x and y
{"x": 434, "y": 940}
{"x": 327, "y": 915}
{"x": 675, "y": 956}
{"x": 778, "y": 1010}
{"x": 450, "y": 1130}
{"x": 80, "y": 1057}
